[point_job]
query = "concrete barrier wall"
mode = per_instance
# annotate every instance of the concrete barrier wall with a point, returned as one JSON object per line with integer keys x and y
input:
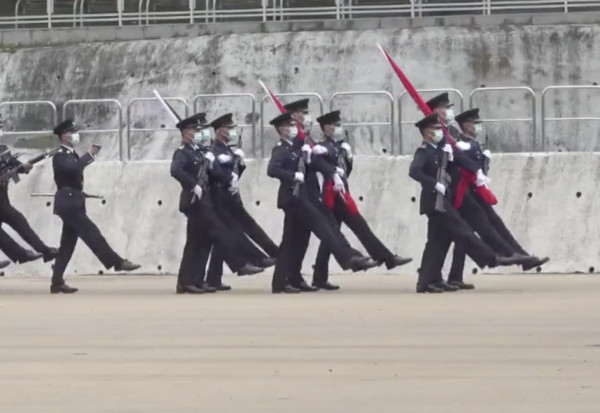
{"x": 323, "y": 57}
{"x": 548, "y": 200}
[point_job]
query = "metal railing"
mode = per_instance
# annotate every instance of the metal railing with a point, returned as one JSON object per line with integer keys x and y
{"x": 296, "y": 95}
{"x": 543, "y": 114}
{"x": 272, "y": 10}
{"x": 52, "y": 107}
{"x": 404, "y": 94}
{"x": 131, "y": 129}
{"x": 526, "y": 89}
{"x": 245, "y": 96}
{"x": 371, "y": 93}
{"x": 108, "y": 102}
{"x": 126, "y": 126}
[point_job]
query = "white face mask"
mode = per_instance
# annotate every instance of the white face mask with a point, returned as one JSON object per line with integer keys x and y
{"x": 449, "y": 115}
{"x": 338, "y": 131}
{"x": 478, "y": 129}
{"x": 308, "y": 121}
{"x": 293, "y": 132}
{"x": 202, "y": 138}
{"x": 74, "y": 138}
{"x": 438, "y": 136}
{"x": 233, "y": 134}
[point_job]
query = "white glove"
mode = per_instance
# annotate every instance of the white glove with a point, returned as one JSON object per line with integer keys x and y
{"x": 481, "y": 178}
{"x": 209, "y": 156}
{"x": 224, "y": 158}
{"x": 338, "y": 184}
{"x": 440, "y": 188}
{"x": 487, "y": 153}
{"x": 319, "y": 150}
{"x": 448, "y": 149}
{"x": 463, "y": 146}
{"x": 239, "y": 153}
{"x": 299, "y": 177}
{"x": 340, "y": 171}
{"x": 346, "y": 146}
{"x": 234, "y": 184}
{"x": 307, "y": 150}
{"x": 198, "y": 191}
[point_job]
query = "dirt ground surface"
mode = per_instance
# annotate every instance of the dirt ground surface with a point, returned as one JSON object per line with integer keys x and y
{"x": 515, "y": 344}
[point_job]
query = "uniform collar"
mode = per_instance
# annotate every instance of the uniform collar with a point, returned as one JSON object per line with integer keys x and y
{"x": 67, "y": 148}
{"x": 192, "y": 146}
{"x": 285, "y": 140}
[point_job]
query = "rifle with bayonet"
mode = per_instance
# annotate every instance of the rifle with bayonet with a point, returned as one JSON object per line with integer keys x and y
{"x": 10, "y": 168}
{"x": 301, "y": 165}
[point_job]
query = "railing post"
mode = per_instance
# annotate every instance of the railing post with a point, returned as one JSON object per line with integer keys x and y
{"x": 120, "y": 11}
{"x": 49, "y": 11}
{"x": 81, "y": 5}
{"x": 147, "y": 12}
{"x": 75, "y": 3}
{"x": 192, "y": 7}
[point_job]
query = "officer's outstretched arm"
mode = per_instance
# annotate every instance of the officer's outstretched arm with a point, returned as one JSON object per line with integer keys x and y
{"x": 65, "y": 163}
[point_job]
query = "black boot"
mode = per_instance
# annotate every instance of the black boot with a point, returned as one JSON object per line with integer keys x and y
{"x": 189, "y": 289}
{"x": 447, "y": 287}
{"x": 249, "y": 269}
{"x": 396, "y": 261}
{"x": 535, "y": 262}
{"x": 326, "y": 286}
{"x": 462, "y": 285}
{"x": 30, "y": 256}
{"x": 268, "y": 262}
{"x": 288, "y": 289}
{"x": 127, "y": 265}
{"x": 429, "y": 288}
{"x": 62, "y": 288}
{"x": 50, "y": 254}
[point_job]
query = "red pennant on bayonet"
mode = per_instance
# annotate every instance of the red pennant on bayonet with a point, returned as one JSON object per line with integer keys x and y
{"x": 467, "y": 177}
{"x": 279, "y": 105}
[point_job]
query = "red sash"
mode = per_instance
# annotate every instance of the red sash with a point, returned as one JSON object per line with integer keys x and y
{"x": 330, "y": 198}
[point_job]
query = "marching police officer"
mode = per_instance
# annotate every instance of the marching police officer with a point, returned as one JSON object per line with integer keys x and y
{"x": 69, "y": 205}
{"x": 302, "y": 216}
{"x": 300, "y": 115}
{"x": 443, "y": 226}
{"x": 229, "y": 203}
{"x": 15, "y": 219}
{"x": 192, "y": 168}
{"x": 479, "y": 214}
{"x": 332, "y": 157}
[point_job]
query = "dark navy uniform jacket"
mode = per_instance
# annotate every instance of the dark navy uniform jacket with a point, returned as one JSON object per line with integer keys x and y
{"x": 283, "y": 165}
{"x": 68, "y": 169}
{"x": 424, "y": 169}
{"x": 185, "y": 166}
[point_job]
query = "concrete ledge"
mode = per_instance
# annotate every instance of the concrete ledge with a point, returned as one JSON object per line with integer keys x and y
{"x": 548, "y": 200}
{"x": 58, "y": 36}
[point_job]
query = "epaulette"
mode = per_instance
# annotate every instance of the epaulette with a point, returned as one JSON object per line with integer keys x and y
{"x": 278, "y": 144}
